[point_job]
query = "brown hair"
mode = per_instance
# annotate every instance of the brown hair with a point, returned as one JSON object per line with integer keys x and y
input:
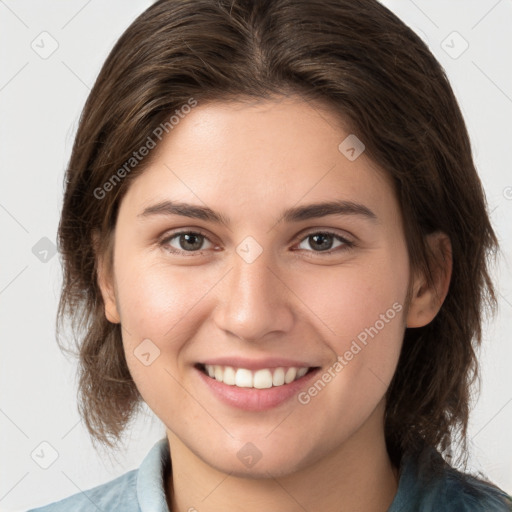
{"x": 368, "y": 66}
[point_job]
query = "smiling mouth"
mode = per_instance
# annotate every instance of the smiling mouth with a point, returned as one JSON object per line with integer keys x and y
{"x": 264, "y": 378}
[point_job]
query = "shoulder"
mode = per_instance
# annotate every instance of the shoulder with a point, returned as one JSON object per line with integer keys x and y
{"x": 429, "y": 484}
{"x": 118, "y": 494}
{"x": 466, "y": 493}
{"x": 141, "y": 489}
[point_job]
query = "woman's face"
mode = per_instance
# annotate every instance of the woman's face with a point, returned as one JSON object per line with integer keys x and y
{"x": 260, "y": 284}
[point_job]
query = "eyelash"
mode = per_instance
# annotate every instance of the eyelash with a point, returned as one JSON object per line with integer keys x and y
{"x": 347, "y": 244}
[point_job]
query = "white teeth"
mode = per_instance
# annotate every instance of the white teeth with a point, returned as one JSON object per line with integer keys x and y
{"x": 263, "y": 379}
{"x": 243, "y": 378}
{"x": 260, "y": 379}
{"x": 278, "y": 377}
{"x": 229, "y": 376}
{"x": 290, "y": 375}
{"x": 301, "y": 372}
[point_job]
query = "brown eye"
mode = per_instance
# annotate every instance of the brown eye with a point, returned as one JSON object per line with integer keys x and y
{"x": 323, "y": 241}
{"x": 185, "y": 241}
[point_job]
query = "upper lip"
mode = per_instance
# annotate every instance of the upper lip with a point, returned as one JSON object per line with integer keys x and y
{"x": 256, "y": 364}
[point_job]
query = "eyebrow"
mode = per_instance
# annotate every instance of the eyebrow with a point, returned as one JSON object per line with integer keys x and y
{"x": 296, "y": 214}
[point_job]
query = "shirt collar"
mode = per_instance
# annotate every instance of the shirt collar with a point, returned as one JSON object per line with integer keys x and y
{"x": 151, "y": 484}
{"x": 150, "y": 478}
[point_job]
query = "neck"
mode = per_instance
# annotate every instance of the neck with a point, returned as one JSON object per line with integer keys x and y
{"x": 357, "y": 475}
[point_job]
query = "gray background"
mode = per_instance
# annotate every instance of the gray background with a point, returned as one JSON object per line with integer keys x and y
{"x": 41, "y": 96}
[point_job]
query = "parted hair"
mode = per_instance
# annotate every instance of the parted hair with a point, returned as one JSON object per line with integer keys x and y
{"x": 369, "y": 67}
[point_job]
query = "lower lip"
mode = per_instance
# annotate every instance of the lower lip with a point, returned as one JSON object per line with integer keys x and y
{"x": 252, "y": 399}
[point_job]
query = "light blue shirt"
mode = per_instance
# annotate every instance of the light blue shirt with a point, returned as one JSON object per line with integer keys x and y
{"x": 139, "y": 490}
{"x": 143, "y": 490}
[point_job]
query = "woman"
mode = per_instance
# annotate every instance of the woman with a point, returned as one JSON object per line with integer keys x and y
{"x": 273, "y": 233}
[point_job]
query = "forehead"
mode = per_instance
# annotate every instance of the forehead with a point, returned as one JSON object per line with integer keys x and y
{"x": 260, "y": 156}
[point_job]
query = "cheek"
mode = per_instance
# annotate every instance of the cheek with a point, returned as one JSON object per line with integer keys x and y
{"x": 155, "y": 300}
{"x": 159, "y": 309}
{"x": 349, "y": 298}
{"x": 360, "y": 312}
{"x": 362, "y": 320}
{"x": 156, "y": 305}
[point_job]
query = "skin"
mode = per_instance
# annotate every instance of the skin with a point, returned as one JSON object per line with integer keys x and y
{"x": 250, "y": 161}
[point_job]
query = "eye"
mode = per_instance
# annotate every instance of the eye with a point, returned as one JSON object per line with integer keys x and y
{"x": 184, "y": 242}
{"x": 190, "y": 243}
{"x": 323, "y": 242}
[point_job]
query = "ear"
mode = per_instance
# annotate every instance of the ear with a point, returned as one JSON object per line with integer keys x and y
{"x": 428, "y": 297}
{"x": 105, "y": 280}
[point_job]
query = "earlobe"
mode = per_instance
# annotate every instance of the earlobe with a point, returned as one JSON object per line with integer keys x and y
{"x": 428, "y": 296}
{"x": 105, "y": 283}
{"x": 108, "y": 294}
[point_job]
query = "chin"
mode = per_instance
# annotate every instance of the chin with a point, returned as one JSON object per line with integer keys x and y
{"x": 263, "y": 469}
{"x": 262, "y": 460}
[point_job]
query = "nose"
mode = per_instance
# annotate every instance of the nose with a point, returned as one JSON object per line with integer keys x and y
{"x": 254, "y": 302}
